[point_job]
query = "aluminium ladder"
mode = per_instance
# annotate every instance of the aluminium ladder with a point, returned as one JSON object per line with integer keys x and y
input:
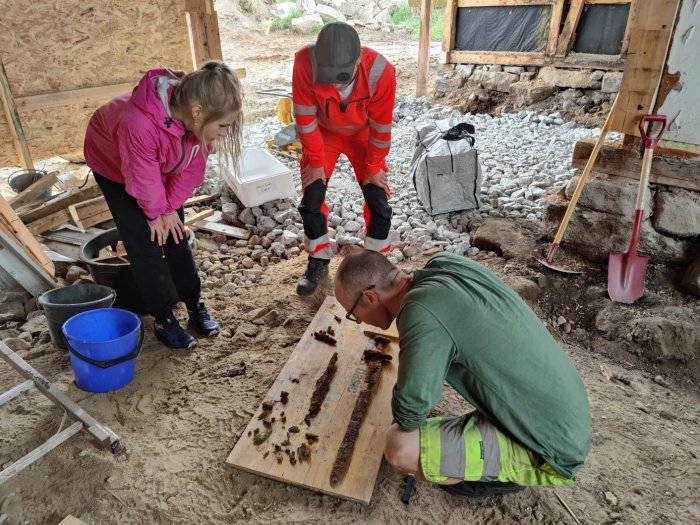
{"x": 104, "y": 435}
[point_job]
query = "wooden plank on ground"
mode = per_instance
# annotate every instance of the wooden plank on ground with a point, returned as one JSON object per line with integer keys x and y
{"x": 89, "y": 192}
{"x": 31, "y": 192}
{"x": 212, "y": 226}
{"x": 199, "y": 199}
{"x": 614, "y": 159}
{"x": 90, "y": 212}
{"x": 16, "y": 228}
{"x": 49, "y": 222}
{"x": 199, "y": 216}
{"x": 306, "y": 364}
{"x": 649, "y": 42}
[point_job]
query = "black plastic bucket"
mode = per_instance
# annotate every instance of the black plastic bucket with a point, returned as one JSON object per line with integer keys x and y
{"x": 119, "y": 276}
{"x": 22, "y": 179}
{"x": 61, "y": 304}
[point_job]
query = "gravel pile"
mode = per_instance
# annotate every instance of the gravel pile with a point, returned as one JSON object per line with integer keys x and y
{"x": 524, "y": 157}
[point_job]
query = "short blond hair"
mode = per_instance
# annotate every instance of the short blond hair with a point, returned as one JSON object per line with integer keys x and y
{"x": 363, "y": 268}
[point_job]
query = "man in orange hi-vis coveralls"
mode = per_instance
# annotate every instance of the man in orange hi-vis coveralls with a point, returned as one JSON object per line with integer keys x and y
{"x": 343, "y": 95}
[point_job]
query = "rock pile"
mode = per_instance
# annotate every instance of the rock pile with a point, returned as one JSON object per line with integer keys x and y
{"x": 523, "y": 156}
{"x": 373, "y": 14}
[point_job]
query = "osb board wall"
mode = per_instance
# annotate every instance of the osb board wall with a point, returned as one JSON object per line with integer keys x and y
{"x": 61, "y": 45}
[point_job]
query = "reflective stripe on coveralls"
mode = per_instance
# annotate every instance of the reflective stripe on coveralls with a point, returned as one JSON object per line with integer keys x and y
{"x": 472, "y": 448}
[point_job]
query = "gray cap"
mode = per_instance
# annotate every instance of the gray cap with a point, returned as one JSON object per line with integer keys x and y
{"x": 337, "y": 50}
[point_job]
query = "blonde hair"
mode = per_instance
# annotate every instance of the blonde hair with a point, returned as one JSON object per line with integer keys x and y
{"x": 217, "y": 89}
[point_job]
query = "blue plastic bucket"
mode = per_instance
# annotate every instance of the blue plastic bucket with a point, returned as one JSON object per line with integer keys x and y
{"x": 103, "y": 346}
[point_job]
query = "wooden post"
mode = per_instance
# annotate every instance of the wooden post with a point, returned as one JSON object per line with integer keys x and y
{"x": 448, "y": 42}
{"x": 424, "y": 48}
{"x": 14, "y": 122}
{"x": 649, "y": 43}
{"x": 566, "y": 40}
{"x": 203, "y": 28}
{"x": 554, "y": 24}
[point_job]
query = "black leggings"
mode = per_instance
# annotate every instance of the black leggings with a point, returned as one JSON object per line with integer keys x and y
{"x": 149, "y": 262}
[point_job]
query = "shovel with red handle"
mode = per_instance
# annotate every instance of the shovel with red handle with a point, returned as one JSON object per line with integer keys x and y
{"x": 626, "y": 270}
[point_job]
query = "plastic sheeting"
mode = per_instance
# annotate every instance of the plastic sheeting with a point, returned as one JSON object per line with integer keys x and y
{"x": 517, "y": 28}
{"x": 601, "y": 29}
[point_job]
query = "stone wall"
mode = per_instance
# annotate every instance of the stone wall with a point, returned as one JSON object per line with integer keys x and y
{"x": 474, "y": 88}
{"x": 602, "y": 220}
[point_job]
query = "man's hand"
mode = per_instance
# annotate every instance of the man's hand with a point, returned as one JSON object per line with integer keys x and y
{"x": 310, "y": 174}
{"x": 173, "y": 226}
{"x": 159, "y": 232}
{"x": 381, "y": 179}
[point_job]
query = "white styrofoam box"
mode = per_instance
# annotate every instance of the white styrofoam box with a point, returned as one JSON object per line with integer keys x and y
{"x": 261, "y": 178}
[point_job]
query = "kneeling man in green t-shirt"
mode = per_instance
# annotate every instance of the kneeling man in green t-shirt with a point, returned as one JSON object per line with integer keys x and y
{"x": 459, "y": 323}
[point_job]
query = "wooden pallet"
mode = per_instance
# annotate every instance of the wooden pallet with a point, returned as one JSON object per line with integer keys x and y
{"x": 307, "y": 363}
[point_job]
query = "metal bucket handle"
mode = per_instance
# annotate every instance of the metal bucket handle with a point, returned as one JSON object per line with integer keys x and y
{"x": 37, "y": 174}
{"x": 112, "y": 295}
{"x": 106, "y": 364}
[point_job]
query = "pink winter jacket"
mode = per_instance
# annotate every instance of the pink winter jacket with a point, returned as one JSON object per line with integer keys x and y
{"x": 134, "y": 141}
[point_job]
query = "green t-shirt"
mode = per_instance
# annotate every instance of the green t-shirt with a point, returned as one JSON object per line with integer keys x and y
{"x": 461, "y": 324}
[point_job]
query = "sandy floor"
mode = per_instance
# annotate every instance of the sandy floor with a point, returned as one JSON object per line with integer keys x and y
{"x": 182, "y": 415}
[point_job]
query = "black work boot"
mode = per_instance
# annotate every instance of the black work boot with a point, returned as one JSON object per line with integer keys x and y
{"x": 316, "y": 270}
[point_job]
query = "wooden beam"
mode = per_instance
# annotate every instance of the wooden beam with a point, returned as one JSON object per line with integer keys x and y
{"x": 497, "y": 57}
{"x": 198, "y": 217}
{"x": 90, "y": 212}
{"x": 566, "y": 39}
{"x": 448, "y": 42}
{"x": 223, "y": 229}
{"x": 199, "y": 199}
{"x": 502, "y": 3}
{"x": 648, "y": 48}
{"x": 200, "y": 6}
{"x": 426, "y": 10}
{"x": 90, "y": 192}
{"x": 205, "y": 41}
{"x": 49, "y": 222}
{"x": 614, "y": 159}
{"x": 16, "y": 228}
{"x": 31, "y": 192}
{"x": 576, "y": 60}
{"x": 13, "y": 121}
{"x": 628, "y": 28}
{"x": 554, "y": 26}
{"x": 74, "y": 96}
{"x": 609, "y": 2}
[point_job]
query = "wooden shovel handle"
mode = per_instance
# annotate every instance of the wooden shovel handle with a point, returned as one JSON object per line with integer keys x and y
{"x": 584, "y": 176}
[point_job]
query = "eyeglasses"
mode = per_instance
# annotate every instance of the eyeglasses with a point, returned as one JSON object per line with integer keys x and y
{"x": 350, "y": 316}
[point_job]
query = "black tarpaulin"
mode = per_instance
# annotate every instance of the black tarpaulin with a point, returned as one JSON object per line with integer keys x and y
{"x": 601, "y": 29}
{"x": 516, "y": 28}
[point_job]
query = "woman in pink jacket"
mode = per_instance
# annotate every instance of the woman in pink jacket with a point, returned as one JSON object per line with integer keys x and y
{"x": 148, "y": 152}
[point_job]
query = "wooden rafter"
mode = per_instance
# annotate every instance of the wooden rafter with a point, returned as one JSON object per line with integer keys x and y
{"x": 13, "y": 121}
{"x": 554, "y": 24}
{"x": 566, "y": 39}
